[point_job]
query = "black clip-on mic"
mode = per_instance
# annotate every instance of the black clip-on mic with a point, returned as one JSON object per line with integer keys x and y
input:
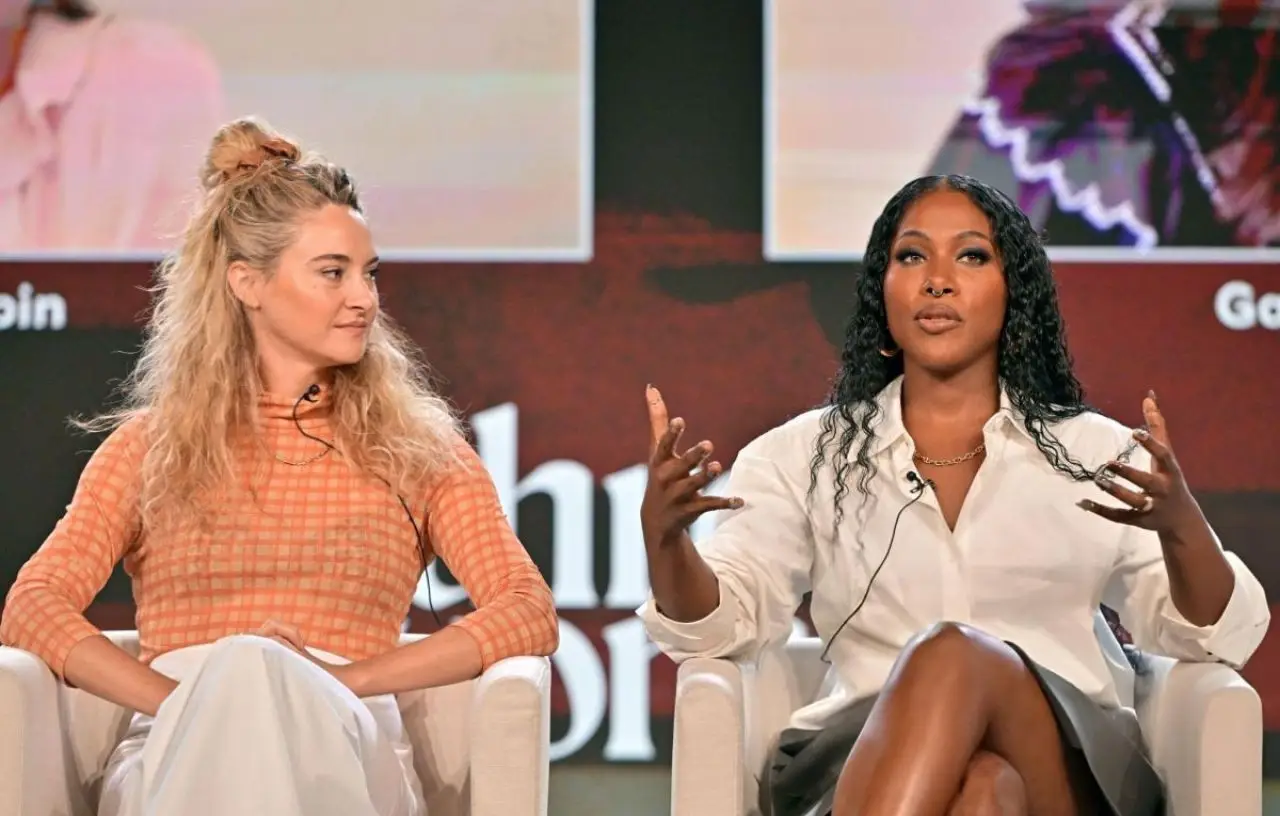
{"x": 918, "y": 485}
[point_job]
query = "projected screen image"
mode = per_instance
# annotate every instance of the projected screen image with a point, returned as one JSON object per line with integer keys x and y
{"x": 1115, "y": 125}
{"x": 466, "y": 125}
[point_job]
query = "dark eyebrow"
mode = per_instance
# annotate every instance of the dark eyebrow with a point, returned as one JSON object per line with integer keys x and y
{"x": 336, "y": 257}
{"x": 915, "y": 233}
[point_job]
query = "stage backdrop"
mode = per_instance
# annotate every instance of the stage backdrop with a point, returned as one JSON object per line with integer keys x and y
{"x": 549, "y": 365}
{"x": 548, "y": 361}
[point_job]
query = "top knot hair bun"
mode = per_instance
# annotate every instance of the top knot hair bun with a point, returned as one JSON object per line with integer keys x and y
{"x": 241, "y": 148}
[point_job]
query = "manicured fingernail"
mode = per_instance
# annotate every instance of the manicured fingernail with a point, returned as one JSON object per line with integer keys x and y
{"x": 1084, "y": 504}
{"x": 1152, "y": 394}
{"x": 735, "y": 503}
{"x": 1103, "y": 476}
{"x": 1141, "y": 433}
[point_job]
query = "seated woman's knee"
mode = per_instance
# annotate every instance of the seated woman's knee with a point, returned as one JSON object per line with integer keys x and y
{"x": 252, "y": 644}
{"x": 965, "y": 659}
{"x": 992, "y": 787}
{"x": 948, "y": 643}
{"x": 247, "y": 649}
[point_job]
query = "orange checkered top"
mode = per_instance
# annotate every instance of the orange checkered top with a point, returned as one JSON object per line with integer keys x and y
{"x": 319, "y": 546}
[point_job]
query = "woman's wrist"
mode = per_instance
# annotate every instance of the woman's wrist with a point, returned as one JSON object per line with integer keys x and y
{"x": 350, "y": 675}
{"x": 1191, "y": 531}
{"x": 163, "y": 687}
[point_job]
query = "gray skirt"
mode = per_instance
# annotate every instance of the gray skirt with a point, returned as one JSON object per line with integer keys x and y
{"x": 1108, "y": 766}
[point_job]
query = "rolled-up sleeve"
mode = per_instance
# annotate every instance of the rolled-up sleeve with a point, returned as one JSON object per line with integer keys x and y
{"x": 1139, "y": 591}
{"x": 761, "y": 555}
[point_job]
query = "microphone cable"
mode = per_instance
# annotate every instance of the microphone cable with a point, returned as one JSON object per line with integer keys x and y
{"x": 919, "y": 485}
{"x": 310, "y": 396}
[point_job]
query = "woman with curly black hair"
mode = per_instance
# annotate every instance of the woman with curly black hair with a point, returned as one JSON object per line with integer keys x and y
{"x": 945, "y": 509}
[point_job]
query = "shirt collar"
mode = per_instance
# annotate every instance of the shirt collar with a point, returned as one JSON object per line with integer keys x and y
{"x": 55, "y": 57}
{"x": 890, "y": 430}
{"x": 274, "y": 406}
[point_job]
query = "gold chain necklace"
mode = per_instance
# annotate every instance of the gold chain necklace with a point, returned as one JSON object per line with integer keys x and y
{"x": 964, "y": 457}
{"x": 291, "y": 463}
{"x": 307, "y": 461}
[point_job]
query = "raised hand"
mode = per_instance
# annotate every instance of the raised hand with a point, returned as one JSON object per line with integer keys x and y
{"x": 1163, "y": 501}
{"x": 673, "y": 497}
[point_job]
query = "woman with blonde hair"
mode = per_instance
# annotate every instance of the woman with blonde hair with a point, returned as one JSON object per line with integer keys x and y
{"x": 276, "y": 482}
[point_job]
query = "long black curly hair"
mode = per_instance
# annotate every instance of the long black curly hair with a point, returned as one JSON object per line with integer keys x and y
{"x": 1034, "y": 365}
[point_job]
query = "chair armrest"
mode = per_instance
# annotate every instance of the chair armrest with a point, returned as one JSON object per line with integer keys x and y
{"x": 1203, "y": 726}
{"x": 32, "y": 759}
{"x": 708, "y": 768}
{"x": 511, "y": 738}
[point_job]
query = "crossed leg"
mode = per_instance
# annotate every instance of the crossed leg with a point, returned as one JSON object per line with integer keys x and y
{"x": 961, "y": 727}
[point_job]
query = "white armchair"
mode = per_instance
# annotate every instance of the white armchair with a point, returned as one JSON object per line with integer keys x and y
{"x": 1202, "y": 723}
{"x": 481, "y": 747}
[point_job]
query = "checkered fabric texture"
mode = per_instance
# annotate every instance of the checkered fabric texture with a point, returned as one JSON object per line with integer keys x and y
{"x": 318, "y": 546}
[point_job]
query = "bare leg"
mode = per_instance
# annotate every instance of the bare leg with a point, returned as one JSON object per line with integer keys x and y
{"x": 991, "y": 788}
{"x": 953, "y": 692}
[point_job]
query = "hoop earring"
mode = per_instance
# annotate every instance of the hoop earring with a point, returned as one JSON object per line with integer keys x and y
{"x": 892, "y": 353}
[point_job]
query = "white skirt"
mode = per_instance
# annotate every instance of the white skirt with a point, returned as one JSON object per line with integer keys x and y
{"x": 255, "y": 728}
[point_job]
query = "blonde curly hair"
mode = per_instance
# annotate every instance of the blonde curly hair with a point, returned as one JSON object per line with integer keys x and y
{"x": 196, "y": 384}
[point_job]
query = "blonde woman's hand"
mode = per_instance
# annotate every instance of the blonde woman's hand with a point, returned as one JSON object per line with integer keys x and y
{"x": 283, "y": 633}
{"x": 291, "y": 637}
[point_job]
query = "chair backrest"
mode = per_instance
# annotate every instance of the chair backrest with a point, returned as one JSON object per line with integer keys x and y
{"x": 93, "y": 726}
{"x": 806, "y": 678}
{"x": 437, "y": 722}
{"x": 805, "y": 672}
{"x": 785, "y": 679}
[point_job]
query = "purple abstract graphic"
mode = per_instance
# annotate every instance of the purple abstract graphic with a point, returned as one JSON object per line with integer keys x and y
{"x": 1132, "y": 126}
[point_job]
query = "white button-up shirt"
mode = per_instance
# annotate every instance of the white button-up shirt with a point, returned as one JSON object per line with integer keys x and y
{"x": 1024, "y": 563}
{"x": 102, "y": 136}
